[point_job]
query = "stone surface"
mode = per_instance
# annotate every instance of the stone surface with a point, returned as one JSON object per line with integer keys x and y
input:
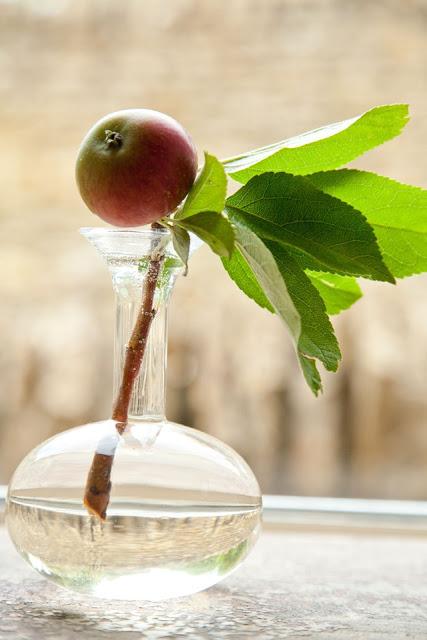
{"x": 294, "y": 585}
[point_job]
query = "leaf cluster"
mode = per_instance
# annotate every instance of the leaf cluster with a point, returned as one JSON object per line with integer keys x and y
{"x": 301, "y": 230}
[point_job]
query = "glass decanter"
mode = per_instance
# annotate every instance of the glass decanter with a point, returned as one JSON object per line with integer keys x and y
{"x": 181, "y": 509}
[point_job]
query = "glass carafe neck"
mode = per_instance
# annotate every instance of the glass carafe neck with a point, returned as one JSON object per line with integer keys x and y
{"x": 128, "y": 255}
{"x": 148, "y": 396}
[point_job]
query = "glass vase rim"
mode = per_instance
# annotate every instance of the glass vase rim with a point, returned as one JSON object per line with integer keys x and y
{"x": 134, "y": 241}
{"x": 145, "y": 231}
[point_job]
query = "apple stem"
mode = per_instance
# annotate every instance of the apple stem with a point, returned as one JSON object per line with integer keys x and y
{"x": 98, "y": 484}
{"x": 113, "y": 139}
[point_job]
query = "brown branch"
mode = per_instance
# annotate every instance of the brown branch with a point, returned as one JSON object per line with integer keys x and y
{"x": 136, "y": 347}
{"x": 98, "y": 484}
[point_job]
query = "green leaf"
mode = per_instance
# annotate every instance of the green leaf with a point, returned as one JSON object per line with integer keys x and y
{"x": 317, "y": 337}
{"x": 213, "y": 228}
{"x": 268, "y": 274}
{"x": 239, "y": 271}
{"x": 322, "y": 233}
{"x": 261, "y": 267}
{"x": 338, "y": 292}
{"x": 181, "y": 244}
{"x": 208, "y": 192}
{"x": 311, "y": 374}
{"x": 397, "y": 213}
{"x": 322, "y": 149}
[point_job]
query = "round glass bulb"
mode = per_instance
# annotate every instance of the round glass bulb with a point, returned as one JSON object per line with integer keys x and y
{"x": 184, "y": 511}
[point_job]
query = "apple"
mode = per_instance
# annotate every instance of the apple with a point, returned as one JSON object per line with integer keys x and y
{"x": 135, "y": 166}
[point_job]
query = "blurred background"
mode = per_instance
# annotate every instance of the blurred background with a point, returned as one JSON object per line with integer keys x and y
{"x": 237, "y": 74}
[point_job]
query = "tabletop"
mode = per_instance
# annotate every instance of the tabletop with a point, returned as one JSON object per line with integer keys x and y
{"x": 295, "y": 584}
